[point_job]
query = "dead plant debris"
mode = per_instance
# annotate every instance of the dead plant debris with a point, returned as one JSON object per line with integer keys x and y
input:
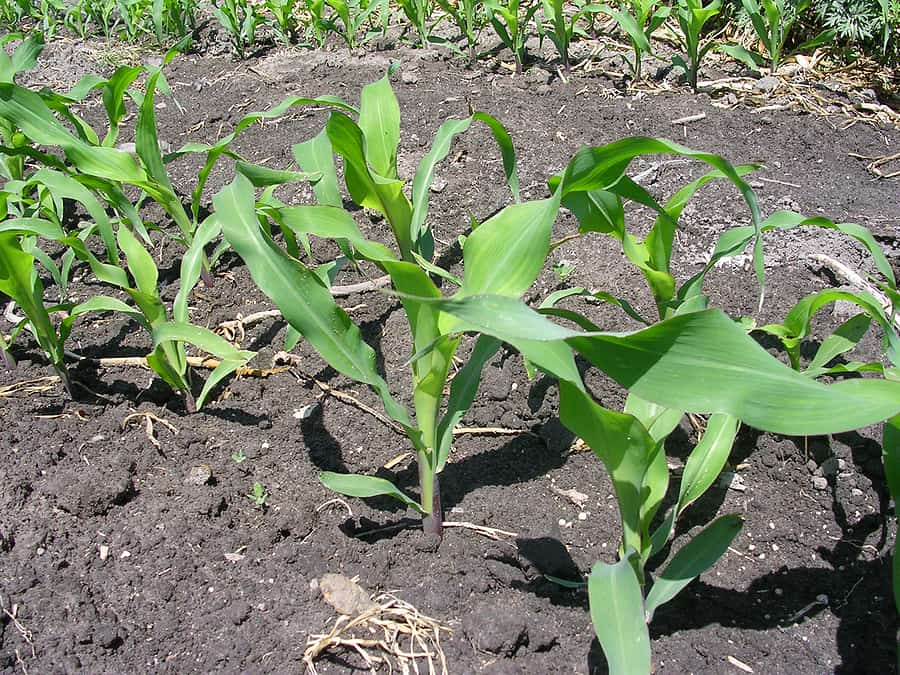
{"x": 382, "y": 629}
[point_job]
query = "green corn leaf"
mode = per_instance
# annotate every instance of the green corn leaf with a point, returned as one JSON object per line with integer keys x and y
{"x": 354, "y": 485}
{"x": 140, "y": 262}
{"x": 65, "y": 187}
{"x": 28, "y": 111}
{"x": 617, "y": 612}
{"x": 798, "y": 321}
{"x": 707, "y": 459}
{"x": 315, "y": 156}
{"x": 658, "y": 421}
{"x": 331, "y": 222}
{"x": 192, "y": 266}
{"x": 384, "y": 194}
{"x": 261, "y": 176}
{"x": 462, "y": 394}
{"x": 114, "y": 99}
{"x": 440, "y": 148}
{"x": 304, "y": 300}
{"x": 101, "y": 303}
{"x": 841, "y": 341}
{"x": 891, "y": 458}
{"x": 507, "y": 252}
{"x": 379, "y": 121}
{"x": 19, "y": 283}
{"x": 694, "y": 558}
{"x": 230, "y": 357}
{"x": 627, "y": 451}
{"x": 700, "y": 362}
{"x": 23, "y": 58}
{"x": 629, "y": 25}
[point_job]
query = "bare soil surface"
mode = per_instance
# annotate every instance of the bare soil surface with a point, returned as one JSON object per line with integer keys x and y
{"x": 118, "y": 558}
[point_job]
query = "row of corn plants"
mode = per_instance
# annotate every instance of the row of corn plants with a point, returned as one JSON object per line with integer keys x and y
{"x": 778, "y": 27}
{"x": 689, "y": 357}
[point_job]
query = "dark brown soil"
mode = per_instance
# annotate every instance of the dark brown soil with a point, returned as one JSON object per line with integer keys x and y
{"x": 167, "y": 599}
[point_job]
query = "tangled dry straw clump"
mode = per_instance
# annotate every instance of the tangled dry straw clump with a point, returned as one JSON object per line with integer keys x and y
{"x": 382, "y": 630}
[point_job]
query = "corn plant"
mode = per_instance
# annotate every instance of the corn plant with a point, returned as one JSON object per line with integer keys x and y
{"x": 639, "y": 19}
{"x": 317, "y": 26}
{"x": 286, "y": 23}
{"x": 563, "y": 28}
{"x": 773, "y": 21}
{"x": 353, "y": 16}
{"x": 468, "y": 17}
{"x": 503, "y": 255}
{"x": 692, "y": 16}
{"x": 173, "y": 19}
{"x": 419, "y": 14}
{"x": 135, "y": 19}
{"x": 239, "y": 19}
{"x": 693, "y": 359}
{"x": 510, "y": 20}
{"x": 13, "y": 13}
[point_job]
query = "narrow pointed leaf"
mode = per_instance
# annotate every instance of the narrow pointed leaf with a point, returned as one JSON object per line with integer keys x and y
{"x": 694, "y": 558}
{"x": 354, "y": 485}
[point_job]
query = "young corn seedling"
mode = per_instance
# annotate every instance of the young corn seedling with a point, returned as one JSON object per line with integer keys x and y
{"x": 419, "y": 13}
{"x": 468, "y": 17}
{"x": 563, "y": 28}
{"x": 639, "y": 19}
{"x": 503, "y": 255}
{"x": 353, "y": 16}
{"x": 773, "y": 21}
{"x": 692, "y": 16}
{"x": 510, "y": 20}
{"x": 694, "y": 360}
{"x": 285, "y": 22}
{"x": 239, "y": 19}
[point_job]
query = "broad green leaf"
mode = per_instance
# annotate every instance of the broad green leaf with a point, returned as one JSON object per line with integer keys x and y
{"x": 192, "y": 266}
{"x": 262, "y": 176}
{"x": 331, "y": 223}
{"x": 700, "y": 362}
{"x": 303, "y": 299}
{"x": 17, "y": 282}
{"x": 65, "y": 187}
{"x": 354, "y": 485}
{"x": 29, "y": 112}
{"x": 891, "y": 458}
{"x": 707, "y": 459}
{"x": 379, "y": 121}
{"x": 694, "y": 558}
{"x": 230, "y": 357}
{"x": 617, "y": 612}
{"x": 424, "y": 177}
{"x": 658, "y": 421}
{"x": 140, "y": 262}
{"x": 622, "y": 444}
{"x": 508, "y": 251}
{"x": 315, "y": 156}
{"x": 384, "y": 194}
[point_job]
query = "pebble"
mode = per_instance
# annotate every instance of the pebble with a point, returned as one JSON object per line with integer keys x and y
{"x": 306, "y": 411}
{"x": 198, "y": 475}
{"x": 438, "y": 186}
{"x": 766, "y": 84}
{"x": 820, "y": 483}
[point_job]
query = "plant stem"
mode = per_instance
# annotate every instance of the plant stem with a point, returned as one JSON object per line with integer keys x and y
{"x": 429, "y": 483}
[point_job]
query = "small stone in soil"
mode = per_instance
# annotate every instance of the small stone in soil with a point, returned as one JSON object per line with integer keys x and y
{"x": 820, "y": 483}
